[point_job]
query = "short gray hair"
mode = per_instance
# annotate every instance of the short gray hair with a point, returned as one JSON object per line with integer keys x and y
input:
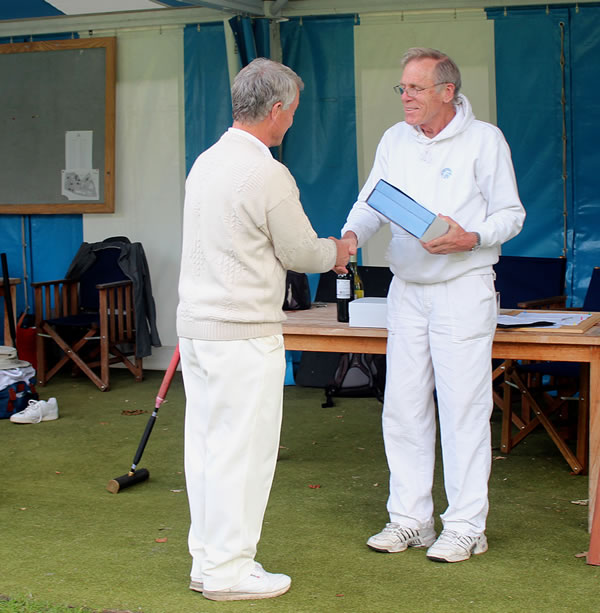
{"x": 446, "y": 70}
{"x": 261, "y": 84}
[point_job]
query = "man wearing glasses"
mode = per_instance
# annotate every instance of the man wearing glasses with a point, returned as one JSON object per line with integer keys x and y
{"x": 441, "y": 306}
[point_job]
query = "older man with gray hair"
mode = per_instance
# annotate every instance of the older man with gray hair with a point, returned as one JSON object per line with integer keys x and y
{"x": 441, "y": 306}
{"x": 243, "y": 228}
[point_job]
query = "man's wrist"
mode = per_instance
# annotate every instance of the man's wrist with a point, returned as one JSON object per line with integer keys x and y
{"x": 477, "y": 244}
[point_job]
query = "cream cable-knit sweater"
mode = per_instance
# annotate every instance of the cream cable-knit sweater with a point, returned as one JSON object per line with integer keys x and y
{"x": 243, "y": 227}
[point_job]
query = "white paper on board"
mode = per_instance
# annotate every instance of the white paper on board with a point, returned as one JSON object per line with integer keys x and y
{"x": 79, "y": 181}
{"x": 78, "y": 149}
{"x": 80, "y": 184}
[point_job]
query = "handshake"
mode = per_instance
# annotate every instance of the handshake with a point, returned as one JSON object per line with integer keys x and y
{"x": 346, "y": 246}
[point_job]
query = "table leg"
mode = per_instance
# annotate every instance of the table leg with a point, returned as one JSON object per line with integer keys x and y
{"x": 594, "y": 493}
{"x": 13, "y": 296}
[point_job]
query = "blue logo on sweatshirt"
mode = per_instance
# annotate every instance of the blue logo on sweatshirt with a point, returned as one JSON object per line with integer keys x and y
{"x": 446, "y": 173}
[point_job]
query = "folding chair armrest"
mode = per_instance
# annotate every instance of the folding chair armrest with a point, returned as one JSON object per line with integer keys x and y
{"x": 50, "y": 283}
{"x": 112, "y": 285}
{"x": 61, "y": 291}
{"x": 553, "y": 302}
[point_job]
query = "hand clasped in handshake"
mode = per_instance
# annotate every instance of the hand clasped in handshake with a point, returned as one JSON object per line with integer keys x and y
{"x": 346, "y": 246}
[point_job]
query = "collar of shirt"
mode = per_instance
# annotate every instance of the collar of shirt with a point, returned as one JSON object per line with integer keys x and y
{"x": 250, "y": 137}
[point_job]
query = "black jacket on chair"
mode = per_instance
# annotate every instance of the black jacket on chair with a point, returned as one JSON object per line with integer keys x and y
{"x": 132, "y": 262}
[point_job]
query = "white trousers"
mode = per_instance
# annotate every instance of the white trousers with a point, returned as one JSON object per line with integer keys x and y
{"x": 234, "y": 395}
{"x": 440, "y": 337}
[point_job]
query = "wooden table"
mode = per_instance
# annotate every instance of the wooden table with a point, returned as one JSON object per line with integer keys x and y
{"x": 13, "y": 282}
{"x": 317, "y": 329}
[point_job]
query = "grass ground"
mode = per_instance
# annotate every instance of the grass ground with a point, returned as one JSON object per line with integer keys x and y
{"x": 70, "y": 546}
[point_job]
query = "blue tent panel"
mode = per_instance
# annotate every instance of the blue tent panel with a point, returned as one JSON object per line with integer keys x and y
{"x": 585, "y": 93}
{"x": 530, "y": 113}
{"x": 320, "y": 148}
{"x": 55, "y": 240}
{"x": 528, "y": 94}
{"x": 38, "y": 248}
{"x": 26, "y": 9}
{"x": 207, "y": 91}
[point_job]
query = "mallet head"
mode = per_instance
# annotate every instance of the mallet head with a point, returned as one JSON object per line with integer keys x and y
{"x": 131, "y": 478}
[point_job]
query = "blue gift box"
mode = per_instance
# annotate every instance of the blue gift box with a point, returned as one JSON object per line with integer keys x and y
{"x": 403, "y": 210}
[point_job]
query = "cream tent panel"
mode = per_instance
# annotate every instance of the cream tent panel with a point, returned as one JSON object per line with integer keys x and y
{"x": 150, "y": 156}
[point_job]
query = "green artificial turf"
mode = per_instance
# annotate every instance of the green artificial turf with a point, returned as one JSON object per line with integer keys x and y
{"x": 69, "y": 542}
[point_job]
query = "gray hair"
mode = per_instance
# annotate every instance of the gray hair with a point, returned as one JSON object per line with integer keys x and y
{"x": 261, "y": 84}
{"x": 446, "y": 71}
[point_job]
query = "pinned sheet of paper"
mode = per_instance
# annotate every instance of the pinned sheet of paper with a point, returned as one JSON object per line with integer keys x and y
{"x": 79, "y": 180}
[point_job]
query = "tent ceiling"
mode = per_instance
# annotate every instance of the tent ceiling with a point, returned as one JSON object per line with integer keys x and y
{"x": 258, "y": 7}
{"x": 52, "y": 16}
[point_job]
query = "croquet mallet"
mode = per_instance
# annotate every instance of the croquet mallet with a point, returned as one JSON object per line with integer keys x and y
{"x": 136, "y": 475}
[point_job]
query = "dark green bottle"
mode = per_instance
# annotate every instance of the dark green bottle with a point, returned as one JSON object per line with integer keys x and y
{"x": 344, "y": 293}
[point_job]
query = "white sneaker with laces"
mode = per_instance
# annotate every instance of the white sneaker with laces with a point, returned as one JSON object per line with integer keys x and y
{"x": 37, "y": 411}
{"x": 396, "y": 537}
{"x": 260, "y": 584}
{"x": 454, "y": 547}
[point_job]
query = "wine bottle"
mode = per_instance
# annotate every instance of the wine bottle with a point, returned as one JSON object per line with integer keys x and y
{"x": 359, "y": 288}
{"x": 344, "y": 293}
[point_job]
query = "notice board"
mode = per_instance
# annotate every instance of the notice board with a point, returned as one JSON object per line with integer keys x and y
{"x": 57, "y": 112}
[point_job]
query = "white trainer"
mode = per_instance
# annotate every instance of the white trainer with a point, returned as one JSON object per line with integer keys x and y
{"x": 260, "y": 584}
{"x": 454, "y": 547}
{"x": 396, "y": 537}
{"x": 37, "y": 411}
{"x": 195, "y": 585}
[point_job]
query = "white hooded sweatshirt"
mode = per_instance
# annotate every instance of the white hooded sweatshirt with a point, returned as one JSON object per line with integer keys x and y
{"x": 464, "y": 172}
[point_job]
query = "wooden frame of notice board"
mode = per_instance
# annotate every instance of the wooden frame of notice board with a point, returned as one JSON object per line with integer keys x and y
{"x": 57, "y": 110}
{"x": 580, "y": 328}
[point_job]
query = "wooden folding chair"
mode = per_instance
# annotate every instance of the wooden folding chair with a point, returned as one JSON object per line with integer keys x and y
{"x": 553, "y": 395}
{"x": 88, "y": 321}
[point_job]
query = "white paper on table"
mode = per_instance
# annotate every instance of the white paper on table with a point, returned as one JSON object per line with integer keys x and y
{"x": 555, "y": 320}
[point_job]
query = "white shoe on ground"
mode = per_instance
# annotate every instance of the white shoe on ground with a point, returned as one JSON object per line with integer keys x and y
{"x": 260, "y": 584}
{"x": 454, "y": 547}
{"x": 37, "y": 411}
{"x": 195, "y": 585}
{"x": 396, "y": 537}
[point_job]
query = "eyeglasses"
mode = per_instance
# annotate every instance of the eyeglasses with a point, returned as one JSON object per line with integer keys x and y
{"x": 414, "y": 91}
